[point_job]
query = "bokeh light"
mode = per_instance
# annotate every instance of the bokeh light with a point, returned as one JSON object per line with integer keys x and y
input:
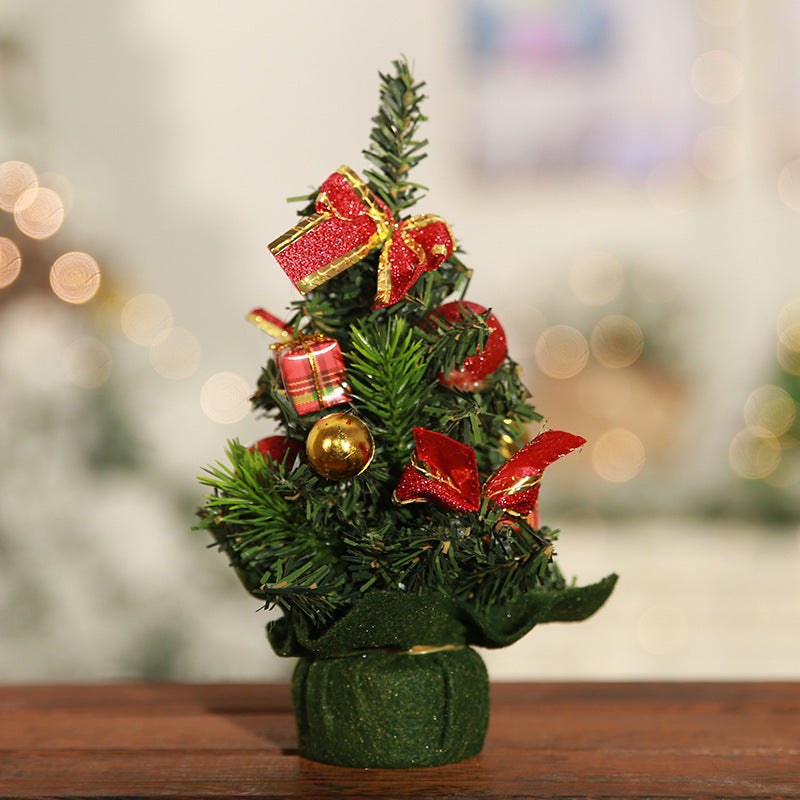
{"x": 39, "y": 212}
{"x": 561, "y": 351}
{"x": 752, "y": 456}
{"x": 617, "y": 341}
{"x": 10, "y": 262}
{"x": 87, "y": 363}
{"x": 75, "y": 277}
{"x": 789, "y": 359}
{"x": 718, "y": 153}
{"x": 145, "y": 318}
{"x": 225, "y": 398}
{"x": 673, "y": 186}
{"x": 663, "y": 630}
{"x": 788, "y": 325}
{"x": 175, "y": 354}
{"x": 788, "y": 475}
{"x": 717, "y": 77}
{"x": 596, "y": 278}
{"x": 16, "y": 177}
{"x": 769, "y": 411}
{"x": 789, "y": 185}
{"x": 618, "y": 455}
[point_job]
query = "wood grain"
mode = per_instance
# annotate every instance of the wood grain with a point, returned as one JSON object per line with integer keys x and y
{"x": 548, "y": 740}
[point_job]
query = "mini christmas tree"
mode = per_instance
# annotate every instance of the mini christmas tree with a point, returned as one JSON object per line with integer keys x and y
{"x": 394, "y": 521}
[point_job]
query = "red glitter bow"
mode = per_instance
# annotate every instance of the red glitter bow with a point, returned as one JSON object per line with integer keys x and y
{"x": 349, "y": 222}
{"x": 445, "y": 472}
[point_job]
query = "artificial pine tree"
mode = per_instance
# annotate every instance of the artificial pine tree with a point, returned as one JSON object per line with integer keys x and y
{"x": 387, "y": 521}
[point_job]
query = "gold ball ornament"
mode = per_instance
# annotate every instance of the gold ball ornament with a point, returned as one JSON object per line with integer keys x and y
{"x": 339, "y": 446}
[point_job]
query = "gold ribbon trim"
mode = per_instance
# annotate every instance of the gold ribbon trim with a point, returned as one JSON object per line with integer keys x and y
{"x": 520, "y": 485}
{"x": 424, "y": 649}
{"x": 430, "y": 472}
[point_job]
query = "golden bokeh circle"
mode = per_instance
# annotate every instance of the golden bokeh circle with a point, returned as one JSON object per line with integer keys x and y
{"x": 145, "y": 318}
{"x": 561, "y": 351}
{"x": 75, "y": 277}
{"x": 788, "y": 324}
{"x": 175, "y": 354}
{"x": 769, "y": 411}
{"x": 752, "y": 456}
{"x": 617, "y": 341}
{"x": 39, "y": 212}
{"x": 225, "y": 398}
{"x": 789, "y": 359}
{"x": 16, "y": 177}
{"x": 618, "y": 455}
{"x": 10, "y": 262}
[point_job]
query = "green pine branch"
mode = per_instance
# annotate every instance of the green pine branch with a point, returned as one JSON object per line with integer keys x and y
{"x": 257, "y": 517}
{"x": 389, "y": 375}
{"x": 394, "y": 149}
{"x": 451, "y": 342}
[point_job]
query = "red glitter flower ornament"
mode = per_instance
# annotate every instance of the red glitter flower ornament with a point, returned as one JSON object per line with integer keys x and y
{"x": 444, "y": 471}
{"x": 441, "y": 470}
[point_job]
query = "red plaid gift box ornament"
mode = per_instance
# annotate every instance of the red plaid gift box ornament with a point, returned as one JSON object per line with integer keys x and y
{"x": 349, "y": 222}
{"x": 313, "y": 373}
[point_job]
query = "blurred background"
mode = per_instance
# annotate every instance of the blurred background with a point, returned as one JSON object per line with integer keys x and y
{"x": 624, "y": 176}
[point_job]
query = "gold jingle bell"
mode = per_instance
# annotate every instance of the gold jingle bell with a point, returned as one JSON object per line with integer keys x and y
{"x": 339, "y": 446}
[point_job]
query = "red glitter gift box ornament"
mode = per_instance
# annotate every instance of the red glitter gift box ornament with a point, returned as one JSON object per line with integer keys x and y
{"x": 348, "y": 223}
{"x": 313, "y": 373}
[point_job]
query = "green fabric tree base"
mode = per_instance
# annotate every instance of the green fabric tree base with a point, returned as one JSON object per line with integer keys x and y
{"x": 382, "y": 709}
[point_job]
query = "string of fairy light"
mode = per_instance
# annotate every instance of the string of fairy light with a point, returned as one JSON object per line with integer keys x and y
{"x": 75, "y": 278}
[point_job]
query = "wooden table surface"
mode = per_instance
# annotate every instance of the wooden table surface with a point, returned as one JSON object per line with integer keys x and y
{"x": 610, "y": 740}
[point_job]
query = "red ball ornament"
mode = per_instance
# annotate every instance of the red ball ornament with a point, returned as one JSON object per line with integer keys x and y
{"x": 470, "y": 376}
{"x": 278, "y": 449}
